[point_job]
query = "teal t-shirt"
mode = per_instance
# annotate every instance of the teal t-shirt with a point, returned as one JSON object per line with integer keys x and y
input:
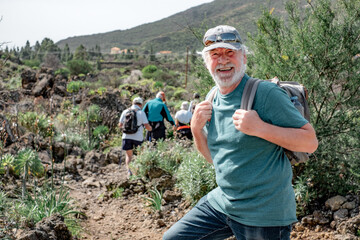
{"x": 253, "y": 175}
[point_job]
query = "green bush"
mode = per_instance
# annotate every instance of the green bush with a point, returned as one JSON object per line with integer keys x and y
{"x": 100, "y": 132}
{"x": 75, "y": 86}
{"x": 180, "y": 93}
{"x": 195, "y": 176}
{"x": 77, "y": 67}
{"x": 166, "y": 155}
{"x": 310, "y": 48}
{"x": 101, "y": 90}
{"x": 149, "y": 69}
{"x": 63, "y": 71}
{"x": 32, "y": 63}
{"x": 13, "y": 83}
{"x": 36, "y": 123}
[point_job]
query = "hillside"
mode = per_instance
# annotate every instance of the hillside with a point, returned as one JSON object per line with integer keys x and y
{"x": 176, "y": 32}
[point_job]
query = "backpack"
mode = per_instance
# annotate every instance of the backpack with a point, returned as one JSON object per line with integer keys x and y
{"x": 130, "y": 122}
{"x": 298, "y": 96}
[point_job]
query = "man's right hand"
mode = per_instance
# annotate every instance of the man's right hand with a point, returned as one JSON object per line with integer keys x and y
{"x": 202, "y": 114}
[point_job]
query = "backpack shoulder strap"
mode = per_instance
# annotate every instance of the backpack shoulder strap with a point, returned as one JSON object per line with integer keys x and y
{"x": 210, "y": 97}
{"x": 249, "y": 92}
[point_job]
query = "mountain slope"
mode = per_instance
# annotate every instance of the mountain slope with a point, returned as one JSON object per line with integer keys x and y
{"x": 181, "y": 30}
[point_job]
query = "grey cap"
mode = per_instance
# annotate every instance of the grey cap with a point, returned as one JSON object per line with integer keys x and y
{"x": 184, "y": 105}
{"x": 138, "y": 100}
{"x": 217, "y": 31}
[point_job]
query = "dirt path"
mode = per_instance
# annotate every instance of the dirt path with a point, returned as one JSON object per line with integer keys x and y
{"x": 110, "y": 218}
{"x": 127, "y": 217}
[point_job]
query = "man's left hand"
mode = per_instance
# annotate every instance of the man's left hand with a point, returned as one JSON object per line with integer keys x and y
{"x": 247, "y": 122}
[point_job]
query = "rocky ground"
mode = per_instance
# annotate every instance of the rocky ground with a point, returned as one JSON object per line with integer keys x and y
{"x": 127, "y": 217}
{"x": 109, "y": 216}
{"x": 93, "y": 177}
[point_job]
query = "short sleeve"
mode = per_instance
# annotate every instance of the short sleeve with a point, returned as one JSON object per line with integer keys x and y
{"x": 122, "y": 117}
{"x": 277, "y": 109}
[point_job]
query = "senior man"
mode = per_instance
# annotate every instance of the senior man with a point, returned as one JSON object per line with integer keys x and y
{"x": 254, "y": 198}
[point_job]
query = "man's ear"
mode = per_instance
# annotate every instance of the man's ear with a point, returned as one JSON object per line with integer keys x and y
{"x": 245, "y": 58}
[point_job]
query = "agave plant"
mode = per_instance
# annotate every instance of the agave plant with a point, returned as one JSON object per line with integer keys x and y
{"x": 7, "y": 163}
{"x": 27, "y": 161}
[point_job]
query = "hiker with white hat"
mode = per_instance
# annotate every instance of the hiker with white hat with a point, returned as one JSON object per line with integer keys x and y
{"x": 254, "y": 198}
{"x": 132, "y": 122}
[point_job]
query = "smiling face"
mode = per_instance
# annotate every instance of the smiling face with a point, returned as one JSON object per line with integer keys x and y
{"x": 226, "y": 66}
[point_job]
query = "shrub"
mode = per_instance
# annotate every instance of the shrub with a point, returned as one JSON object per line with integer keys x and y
{"x": 101, "y": 90}
{"x": 195, "y": 177}
{"x": 63, "y": 71}
{"x": 13, "y": 83}
{"x": 311, "y": 49}
{"x": 32, "y": 63}
{"x": 180, "y": 93}
{"x": 75, "y": 86}
{"x": 36, "y": 123}
{"x": 100, "y": 132}
{"x": 166, "y": 155}
{"x": 148, "y": 70}
{"x": 77, "y": 67}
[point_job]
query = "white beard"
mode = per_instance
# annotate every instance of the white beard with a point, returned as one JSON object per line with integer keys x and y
{"x": 226, "y": 80}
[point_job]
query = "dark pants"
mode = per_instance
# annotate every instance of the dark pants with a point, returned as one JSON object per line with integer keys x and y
{"x": 184, "y": 133}
{"x": 204, "y": 222}
{"x": 158, "y": 131}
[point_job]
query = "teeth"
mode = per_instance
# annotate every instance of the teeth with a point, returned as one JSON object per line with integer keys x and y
{"x": 225, "y": 69}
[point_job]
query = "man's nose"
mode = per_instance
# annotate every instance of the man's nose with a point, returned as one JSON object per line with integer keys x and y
{"x": 223, "y": 59}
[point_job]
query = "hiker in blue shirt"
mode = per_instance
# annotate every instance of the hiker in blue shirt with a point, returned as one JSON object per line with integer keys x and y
{"x": 254, "y": 198}
{"x": 156, "y": 110}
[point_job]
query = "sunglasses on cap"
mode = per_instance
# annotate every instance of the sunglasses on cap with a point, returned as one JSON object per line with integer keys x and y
{"x": 223, "y": 37}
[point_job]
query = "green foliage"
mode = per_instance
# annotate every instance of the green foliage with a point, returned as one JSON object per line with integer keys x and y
{"x": 13, "y": 82}
{"x": 28, "y": 162}
{"x": 101, "y": 90}
{"x": 100, "y": 132}
{"x": 180, "y": 93}
{"x": 303, "y": 195}
{"x": 166, "y": 155}
{"x": 47, "y": 201}
{"x": 205, "y": 82}
{"x": 36, "y": 123}
{"x": 77, "y": 67}
{"x": 195, "y": 177}
{"x": 317, "y": 48}
{"x": 80, "y": 53}
{"x": 148, "y": 71}
{"x": 92, "y": 113}
{"x": 158, "y": 85}
{"x": 7, "y": 163}
{"x": 117, "y": 193}
{"x": 28, "y": 159}
{"x": 154, "y": 201}
{"x": 125, "y": 93}
{"x": 32, "y": 63}
{"x": 43, "y": 202}
{"x": 75, "y": 86}
{"x": 63, "y": 71}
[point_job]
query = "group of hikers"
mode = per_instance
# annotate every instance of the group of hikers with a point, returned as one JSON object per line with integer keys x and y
{"x": 151, "y": 117}
{"x": 254, "y": 198}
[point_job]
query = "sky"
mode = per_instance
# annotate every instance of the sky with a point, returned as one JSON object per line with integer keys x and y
{"x": 34, "y": 20}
